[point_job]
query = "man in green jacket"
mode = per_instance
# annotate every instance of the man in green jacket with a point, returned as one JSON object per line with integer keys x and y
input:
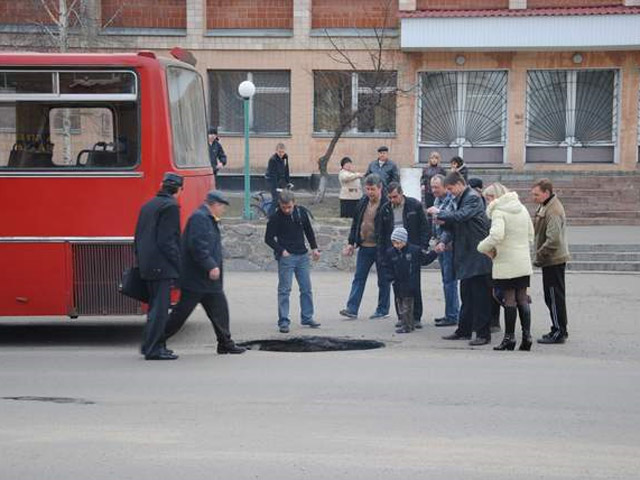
{"x": 551, "y": 254}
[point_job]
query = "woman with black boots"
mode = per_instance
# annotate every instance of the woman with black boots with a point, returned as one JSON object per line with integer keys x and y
{"x": 508, "y": 244}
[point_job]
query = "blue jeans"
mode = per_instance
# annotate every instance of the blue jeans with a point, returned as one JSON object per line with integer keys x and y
{"x": 367, "y": 256}
{"x": 287, "y": 267}
{"x": 450, "y": 286}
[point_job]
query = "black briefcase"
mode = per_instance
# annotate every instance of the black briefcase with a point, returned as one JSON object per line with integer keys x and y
{"x": 132, "y": 285}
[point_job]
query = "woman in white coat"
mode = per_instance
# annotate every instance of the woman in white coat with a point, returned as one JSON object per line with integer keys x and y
{"x": 350, "y": 188}
{"x": 508, "y": 244}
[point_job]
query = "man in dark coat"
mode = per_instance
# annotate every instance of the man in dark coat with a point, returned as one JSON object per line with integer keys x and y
{"x": 408, "y": 213}
{"x": 371, "y": 232}
{"x": 202, "y": 273}
{"x": 277, "y": 174}
{"x": 157, "y": 250}
{"x": 469, "y": 225}
{"x": 217, "y": 157}
{"x": 384, "y": 168}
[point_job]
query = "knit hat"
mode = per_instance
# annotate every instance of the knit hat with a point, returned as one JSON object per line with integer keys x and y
{"x": 400, "y": 235}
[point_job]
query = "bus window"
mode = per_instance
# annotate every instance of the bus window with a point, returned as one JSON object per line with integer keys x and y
{"x": 188, "y": 118}
{"x": 74, "y": 135}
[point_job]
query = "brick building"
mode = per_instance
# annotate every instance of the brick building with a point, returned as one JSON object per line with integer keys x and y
{"x": 512, "y": 85}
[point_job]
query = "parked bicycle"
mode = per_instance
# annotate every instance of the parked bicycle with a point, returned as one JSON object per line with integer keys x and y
{"x": 261, "y": 203}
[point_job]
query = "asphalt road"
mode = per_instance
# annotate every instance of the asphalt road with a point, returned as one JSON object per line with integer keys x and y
{"x": 78, "y": 402}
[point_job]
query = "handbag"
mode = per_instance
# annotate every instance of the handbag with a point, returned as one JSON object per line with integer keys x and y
{"x": 132, "y": 285}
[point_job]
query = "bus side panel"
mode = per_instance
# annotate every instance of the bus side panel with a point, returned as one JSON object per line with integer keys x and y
{"x": 35, "y": 279}
{"x": 195, "y": 191}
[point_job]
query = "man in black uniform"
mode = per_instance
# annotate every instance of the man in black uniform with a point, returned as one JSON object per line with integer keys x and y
{"x": 201, "y": 276}
{"x": 157, "y": 250}
{"x": 217, "y": 157}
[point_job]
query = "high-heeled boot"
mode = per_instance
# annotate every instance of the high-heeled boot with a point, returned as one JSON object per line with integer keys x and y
{"x": 508, "y": 342}
{"x": 524, "y": 312}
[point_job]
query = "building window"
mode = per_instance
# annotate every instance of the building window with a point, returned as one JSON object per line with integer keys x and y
{"x": 359, "y": 102}
{"x": 269, "y": 108}
{"x": 464, "y": 114}
{"x": 571, "y": 116}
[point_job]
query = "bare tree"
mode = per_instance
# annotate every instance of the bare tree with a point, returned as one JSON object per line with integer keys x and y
{"x": 378, "y": 78}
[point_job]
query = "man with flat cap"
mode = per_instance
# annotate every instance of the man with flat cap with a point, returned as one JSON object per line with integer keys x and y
{"x": 384, "y": 168}
{"x": 157, "y": 251}
{"x": 201, "y": 275}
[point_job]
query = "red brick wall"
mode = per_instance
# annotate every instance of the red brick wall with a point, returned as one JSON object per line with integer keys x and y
{"x": 572, "y": 3}
{"x": 350, "y": 14}
{"x": 249, "y": 14}
{"x": 22, "y": 12}
{"x": 461, "y": 4}
{"x": 145, "y": 13}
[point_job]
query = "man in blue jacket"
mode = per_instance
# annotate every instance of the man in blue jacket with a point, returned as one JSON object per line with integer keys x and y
{"x": 157, "y": 250}
{"x": 202, "y": 274}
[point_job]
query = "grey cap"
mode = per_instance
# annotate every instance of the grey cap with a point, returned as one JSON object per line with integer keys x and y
{"x": 400, "y": 235}
{"x": 172, "y": 179}
{"x": 216, "y": 196}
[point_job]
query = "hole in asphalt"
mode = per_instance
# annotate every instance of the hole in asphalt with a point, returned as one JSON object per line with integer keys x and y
{"x": 77, "y": 401}
{"x": 312, "y": 344}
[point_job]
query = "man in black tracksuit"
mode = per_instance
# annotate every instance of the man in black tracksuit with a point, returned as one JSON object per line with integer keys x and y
{"x": 202, "y": 274}
{"x": 157, "y": 250}
{"x": 277, "y": 175}
{"x": 408, "y": 213}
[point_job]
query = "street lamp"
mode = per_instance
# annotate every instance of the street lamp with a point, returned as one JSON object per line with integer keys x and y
{"x": 246, "y": 90}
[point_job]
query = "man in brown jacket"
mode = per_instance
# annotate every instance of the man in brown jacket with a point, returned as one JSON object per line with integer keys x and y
{"x": 552, "y": 254}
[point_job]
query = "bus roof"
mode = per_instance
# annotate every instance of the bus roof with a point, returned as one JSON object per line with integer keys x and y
{"x": 38, "y": 59}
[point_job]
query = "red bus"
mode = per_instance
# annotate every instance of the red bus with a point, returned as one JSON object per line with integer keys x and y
{"x": 84, "y": 142}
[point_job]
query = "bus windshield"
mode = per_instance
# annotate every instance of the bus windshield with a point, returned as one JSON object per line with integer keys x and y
{"x": 188, "y": 118}
{"x": 68, "y": 119}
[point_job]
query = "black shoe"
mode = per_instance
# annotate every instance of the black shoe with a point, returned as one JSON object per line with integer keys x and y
{"x": 417, "y": 325}
{"x": 404, "y": 330}
{"x": 163, "y": 355}
{"x": 456, "y": 336}
{"x": 557, "y": 337}
{"x": 553, "y": 332}
{"x": 311, "y": 324}
{"x": 284, "y": 328}
{"x": 439, "y": 320}
{"x": 348, "y": 314}
{"x": 508, "y": 343}
{"x": 525, "y": 345}
{"x": 480, "y": 341}
{"x": 378, "y": 315}
{"x": 231, "y": 348}
{"x": 446, "y": 323}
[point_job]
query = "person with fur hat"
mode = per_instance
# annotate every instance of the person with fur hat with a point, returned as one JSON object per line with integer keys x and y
{"x": 508, "y": 244}
{"x": 402, "y": 264}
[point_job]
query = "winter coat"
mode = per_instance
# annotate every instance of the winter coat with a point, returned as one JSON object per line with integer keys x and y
{"x": 383, "y": 224}
{"x": 277, "y": 174}
{"x": 402, "y": 267}
{"x": 216, "y": 154}
{"x": 350, "y": 185}
{"x": 510, "y": 237}
{"x": 157, "y": 238}
{"x": 388, "y": 172}
{"x": 201, "y": 252}
{"x": 550, "y": 227}
{"x": 469, "y": 225}
{"x": 414, "y": 221}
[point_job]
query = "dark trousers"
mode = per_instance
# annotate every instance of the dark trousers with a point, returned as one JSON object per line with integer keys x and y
{"x": 404, "y": 307}
{"x": 417, "y": 304}
{"x": 554, "y": 295}
{"x": 475, "y": 311}
{"x": 157, "y": 317}
{"x": 214, "y": 304}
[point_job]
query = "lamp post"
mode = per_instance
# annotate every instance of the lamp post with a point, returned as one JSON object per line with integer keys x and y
{"x": 246, "y": 90}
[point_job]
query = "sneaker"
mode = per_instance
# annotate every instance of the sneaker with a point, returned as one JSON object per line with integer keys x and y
{"x": 348, "y": 314}
{"x": 439, "y": 320}
{"x": 447, "y": 323}
{"x": 399, "y": 324}
{"x": 403, "y": 330}
{"x": 311, "y": 324}
{"x": 377, "y": 315}
{"x": 417, "y": 324}
{"x": 284, "y": 328}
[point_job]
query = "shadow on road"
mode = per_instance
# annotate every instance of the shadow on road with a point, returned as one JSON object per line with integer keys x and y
{"x": 76, "y": 334}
